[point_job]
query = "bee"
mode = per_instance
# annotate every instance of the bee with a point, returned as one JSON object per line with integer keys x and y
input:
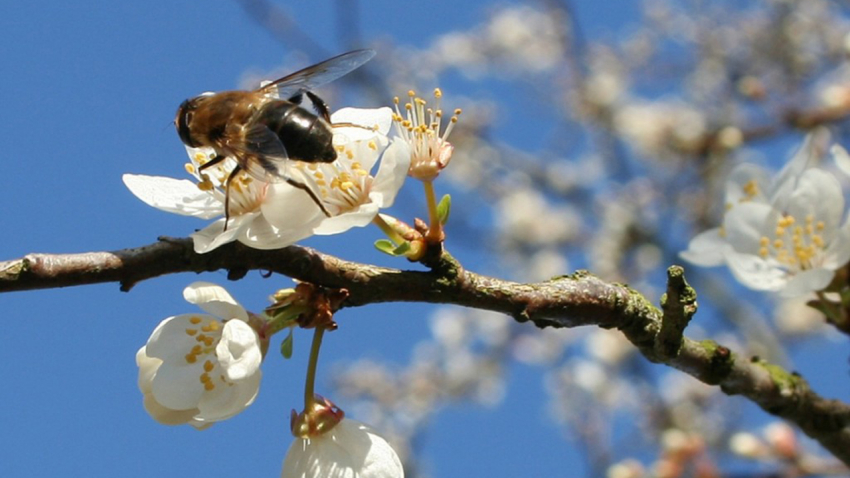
{"x": 262, "y": 131}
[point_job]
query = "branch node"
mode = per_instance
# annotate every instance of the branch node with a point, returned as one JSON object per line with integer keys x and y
{"x": 679, "y": 304}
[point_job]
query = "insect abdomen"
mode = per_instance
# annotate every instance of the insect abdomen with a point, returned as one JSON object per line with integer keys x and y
{"x": 305, "y": 136}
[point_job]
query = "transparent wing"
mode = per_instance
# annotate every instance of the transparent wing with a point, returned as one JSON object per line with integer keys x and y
{"x": 262, "y": 154}
{"x": 318, "y": 74}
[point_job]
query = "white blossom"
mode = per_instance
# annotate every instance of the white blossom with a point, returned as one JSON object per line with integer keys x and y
{"x": 783, "y": 235}
{"x": 201, "y": 368}
{"x": 349, "y": 450}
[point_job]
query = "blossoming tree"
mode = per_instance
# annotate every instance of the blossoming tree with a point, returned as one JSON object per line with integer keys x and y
{"x": 636, "y": 188}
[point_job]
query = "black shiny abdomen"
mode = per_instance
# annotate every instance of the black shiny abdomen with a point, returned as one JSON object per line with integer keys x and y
{"x": 305, "y": 136}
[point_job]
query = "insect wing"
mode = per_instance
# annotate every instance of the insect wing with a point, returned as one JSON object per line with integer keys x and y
{"x": 261, "y": 154}
{"x": 319, "y": 74}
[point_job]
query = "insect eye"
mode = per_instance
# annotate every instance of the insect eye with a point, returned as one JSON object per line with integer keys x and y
{"x": 185, "y": 115}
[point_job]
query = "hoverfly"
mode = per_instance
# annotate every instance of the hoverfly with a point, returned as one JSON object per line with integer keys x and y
{"x": 261, "y": 131}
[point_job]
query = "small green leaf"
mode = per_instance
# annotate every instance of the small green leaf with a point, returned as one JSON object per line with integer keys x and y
{"x": 386, "y": 246}
{"x": 286, "y": 346}
{"x": 389, "y": 248}
{"x": 402, "y": 249}
{"x": 444, "y": 208}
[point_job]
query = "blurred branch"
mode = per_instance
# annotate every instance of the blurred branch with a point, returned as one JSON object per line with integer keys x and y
{"x": 567, "y": 301}
{"x": 281, "y": 26}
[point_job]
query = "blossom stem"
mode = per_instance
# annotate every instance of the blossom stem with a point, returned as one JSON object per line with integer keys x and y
{"x": 435, "y": 232}
{"x": 388, "y": 230}
{"x": 309, "y": 387}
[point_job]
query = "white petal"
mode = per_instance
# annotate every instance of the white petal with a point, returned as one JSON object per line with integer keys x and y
{"x": 746, "y": 224}
{"x": 819, "y": 194}
{"x": 178, "y": 387}
{"x": 706, "y": 249}
{"x": 178, "y": 196}
{"x": 215, "y": 300}
{"x": 165, "y": 415}
{"x": 147, "y": 369}
{"x": 392, "y": 173}
{"x": 238, "y": 351}
{"x": 359, "y": 217}
{"x": 838, "y": 252}
{"x": 170, "y": 341}
{"x": 842, "y": 159}
{"x": 366, "y": 153}
{"x": 755, "y": 272}
{"x": 226, "y": 401}
{"x": 290, "y": 210}
{"x": 214, "y": 235}
{"x": 378, "y": 118}
{"x": 262, "y": 235}
{"x": 806, "y": 282}
{"x": 349, "y": 450}
{"x": 739, "y": 183}
{"x": 786, "y": 180}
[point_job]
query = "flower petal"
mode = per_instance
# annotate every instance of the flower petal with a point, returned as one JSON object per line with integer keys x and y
{"x": 359, "y": 217}
{"x": 806, "y": 282}
{"x": 178, "y": 387}
{"x": 747, "y": 223}
{"x": 380, "y": 119}
{"x": 842, "y": 159}
{"x": 349, "y": 450}
{"x": 818, "y": 194}
{"x": 755, "y": 272}
{"x": 289, "y": 209}
{"x": 226, "y": 401}
{"x": 262, "y": 235}
{"x": 178, "y": 196}
{"x": 165, "y": 415}
{"x": 391, "y": 174}
{"x": 838, "y": 252}
{"x": 215, "y": 300}
{"x": 214, "y": 235}
{"x": 238, "y": 351}
{"x": 739, "y": 185}
{"x": 171, "y": 339}
{"x": 706, "y": 249}
{"x": 147, "y": 369}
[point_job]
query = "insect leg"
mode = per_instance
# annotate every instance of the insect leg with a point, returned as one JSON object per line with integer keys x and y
{"x": 309, "y": 191}
{"x": 298, "y": 184}
{"x": 320, "y": 106}
{"x": 227, "y": 192}
{"x": 296, "y": 99}
{"x": 215, "y": 160}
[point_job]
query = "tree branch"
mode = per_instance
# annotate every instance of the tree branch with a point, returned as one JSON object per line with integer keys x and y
{"x": 566, "y": 301}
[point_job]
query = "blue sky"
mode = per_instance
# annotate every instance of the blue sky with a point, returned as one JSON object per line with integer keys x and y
{"x": 89, "y": 91}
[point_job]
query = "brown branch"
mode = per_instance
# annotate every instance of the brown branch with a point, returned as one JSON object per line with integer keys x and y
{"x": 568, "y": 301}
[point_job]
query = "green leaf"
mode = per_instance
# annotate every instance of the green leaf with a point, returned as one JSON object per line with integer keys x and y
{"x": 286, "y": 346}
{"x": 386, "y": 246}
{"x": 444, "y": 208}
{"x": 402, "y": 249}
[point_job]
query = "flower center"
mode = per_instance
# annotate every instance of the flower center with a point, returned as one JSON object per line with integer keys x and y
{"x": 207, "y": 333}
{"x": 796, "y": 246}
{"x": 420, "y": 127}
{"x": 344, "y": 184}
{"x": 246, "y": 193}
